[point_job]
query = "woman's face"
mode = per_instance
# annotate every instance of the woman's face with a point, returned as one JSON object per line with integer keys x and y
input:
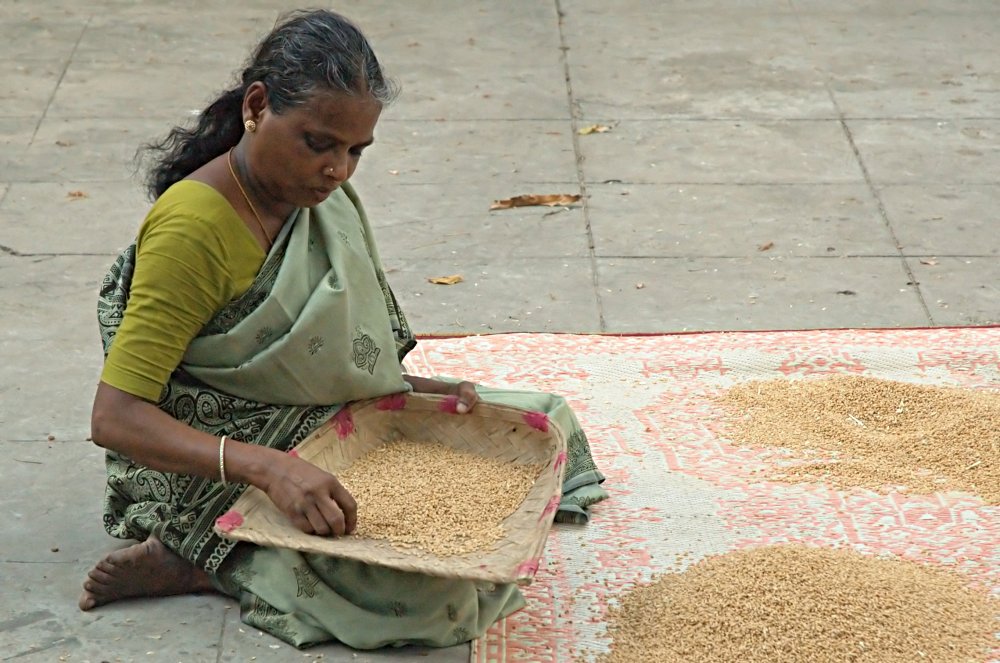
{"x": 300, "y": 156}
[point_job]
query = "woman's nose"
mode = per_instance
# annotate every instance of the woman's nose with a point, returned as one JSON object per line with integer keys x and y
{"x": 338, "y": 170}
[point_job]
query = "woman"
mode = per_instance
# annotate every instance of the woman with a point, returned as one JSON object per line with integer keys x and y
{"x": 251, "y": 307}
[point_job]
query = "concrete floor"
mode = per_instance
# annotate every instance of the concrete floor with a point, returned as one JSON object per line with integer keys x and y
{"x": 770, "y": 164}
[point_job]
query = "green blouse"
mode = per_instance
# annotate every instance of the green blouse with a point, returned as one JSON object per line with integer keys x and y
{"x": 194, "y": 255}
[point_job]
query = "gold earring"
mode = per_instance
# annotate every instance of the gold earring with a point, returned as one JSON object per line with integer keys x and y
{"x": 250, "y": 126}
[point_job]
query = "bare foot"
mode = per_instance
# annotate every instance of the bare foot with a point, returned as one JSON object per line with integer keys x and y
{"x": 143, "y": 569}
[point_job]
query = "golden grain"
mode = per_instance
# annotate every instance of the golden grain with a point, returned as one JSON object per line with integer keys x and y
{"x": 797, "y": 604}
{"x": 435, "y": 498}
{"x": 875, "y": 433}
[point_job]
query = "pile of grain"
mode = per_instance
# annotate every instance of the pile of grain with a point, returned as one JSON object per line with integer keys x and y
{"x": 882, "y": 433}
{"x": 432, "y": 497}
{"x": 793, "y": 603}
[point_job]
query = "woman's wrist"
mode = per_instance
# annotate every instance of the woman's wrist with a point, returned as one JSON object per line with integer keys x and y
{"x": 249, "y": 463}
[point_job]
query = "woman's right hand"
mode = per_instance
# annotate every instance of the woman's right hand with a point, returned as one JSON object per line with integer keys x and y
{"x": 311, "y": 497}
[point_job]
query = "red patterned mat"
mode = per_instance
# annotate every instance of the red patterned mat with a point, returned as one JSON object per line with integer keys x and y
{"x": 679, "y": 492}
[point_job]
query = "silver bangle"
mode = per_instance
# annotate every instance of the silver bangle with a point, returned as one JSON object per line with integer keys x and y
{"x": 222, "y": 460}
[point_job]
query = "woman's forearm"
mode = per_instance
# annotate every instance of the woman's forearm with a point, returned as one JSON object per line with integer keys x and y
{"x": 140, "y": 430}
{"x": 428, "y": 385}
{"x": 309, "y": 496}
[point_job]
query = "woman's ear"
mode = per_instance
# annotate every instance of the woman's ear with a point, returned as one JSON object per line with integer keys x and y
{"x": 254, "y": 101}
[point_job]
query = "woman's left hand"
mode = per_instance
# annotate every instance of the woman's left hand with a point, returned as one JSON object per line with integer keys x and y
{"x": 465, "y": 391}
{"x": 467, "y": 396}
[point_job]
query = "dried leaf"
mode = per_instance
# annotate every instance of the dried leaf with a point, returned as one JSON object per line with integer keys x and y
{"x": 447, "y": 280}
{"x": 594, "y": 129}
{"x": 64, "y": 143}
{"x": 928, "y": 261}
{"x": 766, "y": 246}
{"x": 76, "y": 195}
{"x": 546, "y": 200}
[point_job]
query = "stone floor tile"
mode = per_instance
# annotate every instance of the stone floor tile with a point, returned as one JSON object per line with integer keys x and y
{"x": 15, "y": 135}
{"x": 683, "y": 151}
{"x": 71, "y": 217}
{"x": 83, "y": 150}
{"x": 26, "y": 86}
{"x": 538, "y": 294}
{"x": 740, "y": 64}
{"x": 439, "y": 88}
{"x": 50, "y": 345}
{"x": 111, "y": 91}
{"x": 156, "y": 36}
{"x": 499, "y": 156}
{"x": 431, "y": 221}
{"x": 929, "y": 152}
{"x": 42, "y": 624}
{"x": 725, "y": 220}
{"x": 701, "y": 294}
{"x": 960, "y": 291}
{"x": 945, "y": 220}
{"x": 38, "y": 33}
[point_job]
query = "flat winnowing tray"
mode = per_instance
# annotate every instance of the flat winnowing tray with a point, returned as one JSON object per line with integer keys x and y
{"x": 495, "y": 431}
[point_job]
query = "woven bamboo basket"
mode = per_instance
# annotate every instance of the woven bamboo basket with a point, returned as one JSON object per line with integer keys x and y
{"x": 495, "y": 431}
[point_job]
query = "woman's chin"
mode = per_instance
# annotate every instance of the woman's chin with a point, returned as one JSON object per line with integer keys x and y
{"x": 319, "y": 195}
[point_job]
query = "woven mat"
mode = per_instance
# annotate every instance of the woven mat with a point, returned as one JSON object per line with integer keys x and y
{"x": 679, "y": 492}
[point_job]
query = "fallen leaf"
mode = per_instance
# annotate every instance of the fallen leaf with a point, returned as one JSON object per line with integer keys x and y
{"x": 846, "y": 292}
{"x": 640, "y": 285}
{"x": 447, "y": 280}
{"x": 76, "y": 195}
{"x": 529, "y": 200}
{"x": 64, "y": 143}
{"x": 928, "y": 261}
{"x": 594, "y": 129}
{"x": 766, "y": 246}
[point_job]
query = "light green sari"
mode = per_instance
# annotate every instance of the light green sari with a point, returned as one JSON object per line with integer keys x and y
{"x": 319, "y": 327}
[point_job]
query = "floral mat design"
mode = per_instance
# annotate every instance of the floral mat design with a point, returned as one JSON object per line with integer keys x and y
{"x": 680, "y": 491}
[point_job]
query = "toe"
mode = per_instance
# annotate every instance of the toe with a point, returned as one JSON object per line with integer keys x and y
{"x": 99, "y": 576}
{"x": 87, "y": 601}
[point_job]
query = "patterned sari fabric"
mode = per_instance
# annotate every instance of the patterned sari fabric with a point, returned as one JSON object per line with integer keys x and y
{"x": 305, "y": 599}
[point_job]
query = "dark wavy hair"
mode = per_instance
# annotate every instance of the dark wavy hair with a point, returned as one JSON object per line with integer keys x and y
{"x": 306, "y": 52}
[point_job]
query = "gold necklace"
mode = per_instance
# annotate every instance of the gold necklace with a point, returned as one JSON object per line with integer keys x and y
{"x": 229, "y": 160}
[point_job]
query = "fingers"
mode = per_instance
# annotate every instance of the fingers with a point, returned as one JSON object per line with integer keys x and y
{"x": 301, "y": 521}
{"x": 317, "y": 520}
{"x": 333, "y": 518}
{"x": 313, "y": 499}
{"x": 348, "y": 507}
{"x": 467, "y": 397}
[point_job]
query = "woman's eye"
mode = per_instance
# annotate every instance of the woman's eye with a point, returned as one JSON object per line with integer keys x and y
{"x": 315, "y": 145}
